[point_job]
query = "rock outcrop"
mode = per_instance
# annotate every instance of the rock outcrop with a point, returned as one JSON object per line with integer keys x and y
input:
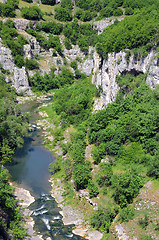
{"x": 3, "y": 1}
{"x": 17, "y": 76}
{"x": 99, "y": 26}
{"x": 105, "y": 72}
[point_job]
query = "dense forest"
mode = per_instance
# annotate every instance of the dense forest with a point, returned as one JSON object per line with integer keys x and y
{"x": 123, "y": 136}
{"x": 13, "y": 127}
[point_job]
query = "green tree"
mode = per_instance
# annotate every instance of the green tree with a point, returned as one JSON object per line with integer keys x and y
{"x": 81, "y": 175}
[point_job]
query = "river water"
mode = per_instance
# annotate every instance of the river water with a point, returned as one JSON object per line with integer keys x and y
{"x": 30, "y": 171}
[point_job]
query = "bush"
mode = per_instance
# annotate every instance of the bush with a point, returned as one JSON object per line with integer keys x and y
{"x": 19, "y": 60}
{"x": 104, "y": 174}
{"x": 51, "y": 27}
{"x": 31, "y": 64}
{"x": 67, "y": 43}
{"x": 144, "y": 222}
{"x": 118, "y": 12}
{"x": 103, "y": 218}
{"x": 7, "y": 10}
{"x": 31, "y": 13}
{"x": 126, "y": 214}
{"x": 153, "y": 169}
{"x": 98, "y": 153}
{"x": 73, "y": 64}
{"x": 93, "y": 189}
{"x": 63, "y": 14}
{"x": 67, "y": 4}
{"x": 126, "y": 187}
{"x": 106, "y": 12}
{"x": 81, "y": 175}
{"x": 29, "y": 1}
{"x": 129, "y": 11}
{"x": 49, "y": 2}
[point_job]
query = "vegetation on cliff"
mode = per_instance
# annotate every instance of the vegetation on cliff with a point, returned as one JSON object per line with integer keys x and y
{"x": 13, "y": 127}
{"x": 122, "y": 138}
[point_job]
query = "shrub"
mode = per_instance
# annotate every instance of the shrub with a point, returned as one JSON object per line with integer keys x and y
{"x": 67, "y": 4}
{"x": 153, "y": 169}
{"x": 118, "y": 12}
{"x": 31, "y": 64}
{"x": 81, "y": 175}
{"x": 63, "y": 14}
{"x": 104, "y": 175}
{"x": 144, "y": 222}
{"x": 67, "y": 43}
{"x": 49, "y": 2}
{"x": 126, "y": 187}
{"x": 93, "y": 189}
{"x": 19, "y": 60}
{"x": 52, "y": 27}
{"x": 7, "y": 10}
{"x": 103, "y": 218}
{"x": 73, "y": 64}
{"x": 98, "y": 153}
{"x": 29, "y": 1}
{"x": 31, "y": 13}
{"x": 129, "y": 11}
{"x": 126, "y": 214}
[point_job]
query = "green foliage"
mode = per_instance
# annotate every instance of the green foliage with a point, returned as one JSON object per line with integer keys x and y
{"x": 63, "y": 14}
{"x": 93, "y": 189}
{"x": 31, "y": 64}
{"x": 85, "y": 15}
{"x": 49, "y": 2}
{"x": 73, "y": 64}
{"x": 19, "y": 60}
{"x": 79, "y": 32}
{"x": 67, "y": 43}
{"x": 67, "y": 4}
{"x": 29, "y": 1}
{"x": 31, "y": 13}
{"x": 81, "y": 175}
{"x": 7, "y": 10}
{"x": 74, "y": 103}
{"x": 132, "y": 153}
{"x": 50, "y": 81}
{"x": 98, "y": 153}
{"x": 136, "y": 30}
{"x": 153, "y": 167}
{"x": 126, "y": 187}
{"x": 144, "y": 222}
{"x": 104, "y": 175}
{"x": 13, "y": 40}
{"x": 9, "y": 206}
{"x": 126, "y": 213}
{"x": 51, "y": 27}
{"x": 118, "y": 12}
{"x": 129, "y": 119}
{"x": 129, "y": 11}
{"x": 103, "y": 218}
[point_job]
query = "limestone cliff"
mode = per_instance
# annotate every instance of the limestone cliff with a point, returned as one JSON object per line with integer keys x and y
{"x": 17, "y": 76}
{"x": 105, "y": 72}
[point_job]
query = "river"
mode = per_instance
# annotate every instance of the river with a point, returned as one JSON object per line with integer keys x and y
{"x": 30, "y": 171}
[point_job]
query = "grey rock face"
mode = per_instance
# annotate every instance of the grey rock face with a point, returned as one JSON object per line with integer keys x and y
{"x": 3, "y": 1}
{"x": 20, "y": 81}
{"x": 18, "y": 76}
{"x": 6, "y": 58}
{"x": 23, "y": 24}
{"x": 31, "y": 49}
{"x": 105, "y": 73}
{"x": 101, "y": 25}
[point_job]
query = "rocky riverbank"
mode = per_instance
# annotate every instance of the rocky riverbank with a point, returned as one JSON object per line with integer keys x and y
{"x": 72, "y": 215}
{"x": 24, "y": 199}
